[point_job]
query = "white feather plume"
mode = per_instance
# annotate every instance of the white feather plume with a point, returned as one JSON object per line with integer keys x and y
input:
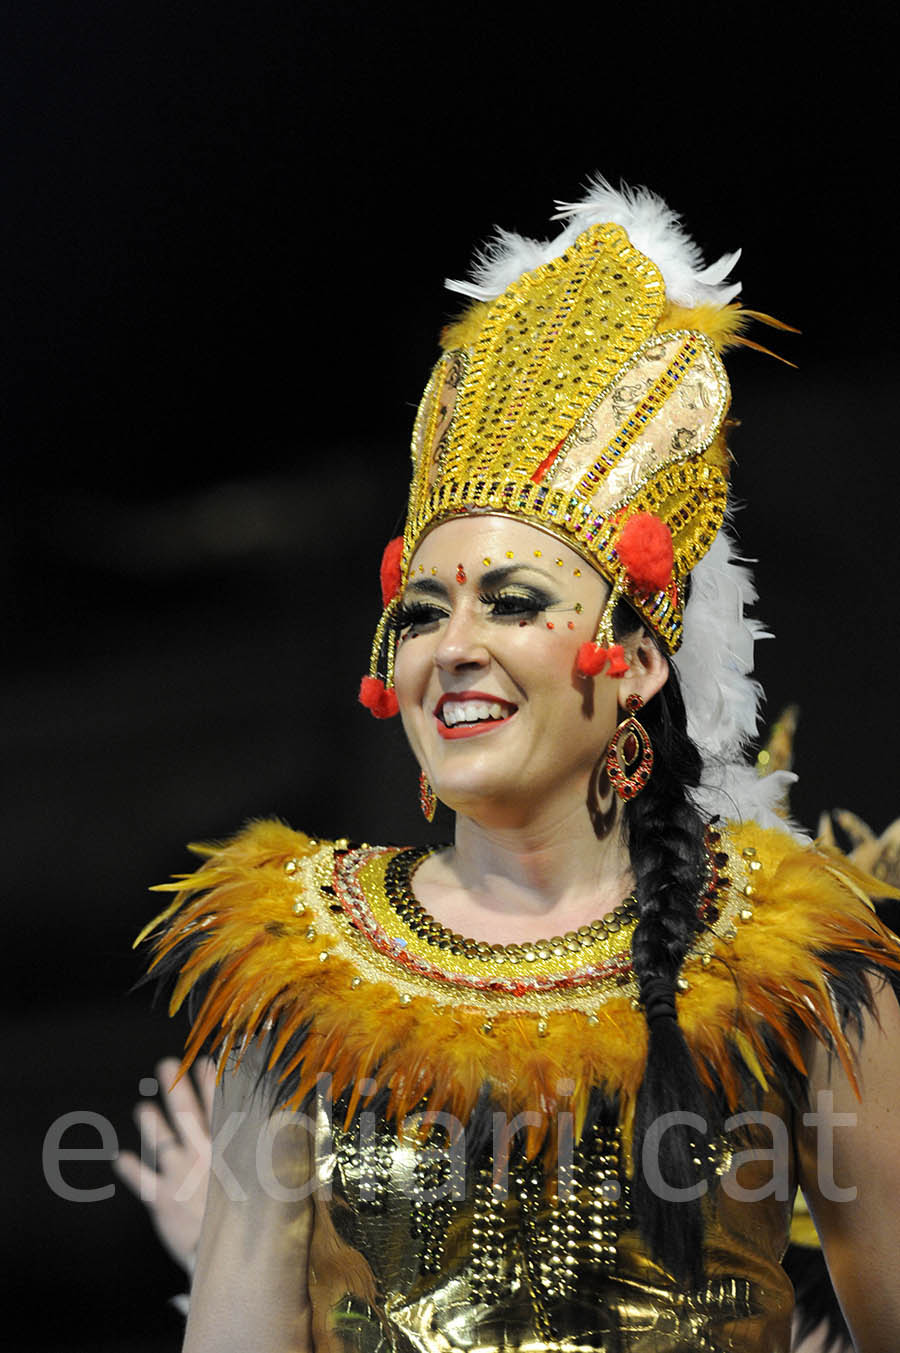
{"x": 721, "y": 697}
{"x": 715, "y": 660}
{"x": 651, "y": 226}
{"x": 737, "y": 792}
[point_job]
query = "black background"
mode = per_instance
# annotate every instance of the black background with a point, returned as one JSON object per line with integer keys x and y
{"x": 227, "y": 227}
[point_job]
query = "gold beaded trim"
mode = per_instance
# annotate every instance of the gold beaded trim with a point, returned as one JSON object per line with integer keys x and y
{"x": 398, "y": 889}
{"x": 692, "y": 487}
{"x": 360, "y": 883}
{"x": 343, "y": 896}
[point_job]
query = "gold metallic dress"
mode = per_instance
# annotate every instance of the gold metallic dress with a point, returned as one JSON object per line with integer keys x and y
{"x": 470, "y": 1106}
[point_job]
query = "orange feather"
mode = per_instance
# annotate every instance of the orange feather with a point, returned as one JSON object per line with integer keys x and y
{"x": 233, "y": 928}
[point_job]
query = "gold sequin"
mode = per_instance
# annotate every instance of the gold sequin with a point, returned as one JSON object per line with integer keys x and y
{"x": 599, "y": 961}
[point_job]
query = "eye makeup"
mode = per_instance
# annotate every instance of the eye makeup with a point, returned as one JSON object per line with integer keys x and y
{"x": 509, "y": 603}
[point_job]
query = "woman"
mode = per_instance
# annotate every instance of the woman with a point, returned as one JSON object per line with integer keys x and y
{"x": 551, "y": 1080}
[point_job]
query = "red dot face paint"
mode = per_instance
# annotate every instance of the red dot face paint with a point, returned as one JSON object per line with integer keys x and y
{"x": 460, "y": 573}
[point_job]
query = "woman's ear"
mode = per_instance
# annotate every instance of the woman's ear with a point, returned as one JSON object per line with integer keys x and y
{"x": 648, "y": 669}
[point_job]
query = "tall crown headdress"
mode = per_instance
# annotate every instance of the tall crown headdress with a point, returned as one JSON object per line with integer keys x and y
{"x": 583, "y": 392}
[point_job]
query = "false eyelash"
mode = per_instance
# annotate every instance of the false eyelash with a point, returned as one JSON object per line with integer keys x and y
{"x": 518, "y": 603}
{"x": 421, "y": 612}
{"x": 523, "y": 602}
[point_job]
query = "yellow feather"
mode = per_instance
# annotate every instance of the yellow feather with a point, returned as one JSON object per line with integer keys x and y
{"x": 723, "y": 325}
{"x": 263, "y": 971}
{"x": 463, "y": 331}
{"x": 157, "y": 921}
{"x": 745, "y": 1047}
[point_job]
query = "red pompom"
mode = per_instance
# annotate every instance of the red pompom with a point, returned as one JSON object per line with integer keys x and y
{"x": 591, "y": 660}
{"x": 645, "y": 549}
{"x": 617, "y": 664}
{"x": 390, "y": 569}
{"x": 378, "y": 701}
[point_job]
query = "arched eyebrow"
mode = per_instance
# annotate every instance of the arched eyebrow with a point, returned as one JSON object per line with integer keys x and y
{"x": 432, "y": 587}
{"x": 495, "y": 576}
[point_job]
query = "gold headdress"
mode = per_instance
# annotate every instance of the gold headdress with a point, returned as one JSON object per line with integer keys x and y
{"x": 585, "y": 402}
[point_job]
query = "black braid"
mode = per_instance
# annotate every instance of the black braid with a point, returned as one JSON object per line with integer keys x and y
{"x": 665, "y": 835}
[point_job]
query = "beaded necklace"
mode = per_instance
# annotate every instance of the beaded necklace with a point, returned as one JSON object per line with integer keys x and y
{"x": 398, "y": 889}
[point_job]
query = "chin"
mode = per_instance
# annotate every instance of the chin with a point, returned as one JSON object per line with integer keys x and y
{"x": 481, "y": 797}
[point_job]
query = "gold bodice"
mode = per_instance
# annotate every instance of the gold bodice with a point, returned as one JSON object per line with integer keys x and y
{"x": 429, "y": 1256}
{"x": 442, "y": 1234}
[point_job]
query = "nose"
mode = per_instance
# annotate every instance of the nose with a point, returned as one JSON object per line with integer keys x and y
{"x": 462, "y": 645}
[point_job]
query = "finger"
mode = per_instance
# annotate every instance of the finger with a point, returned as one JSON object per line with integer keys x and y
{"x": 169, "y": 1155}
{"x": 133, "y": 1172}
{"x": 182, "y": 1101}
{"x": 205, "y": 1071}
{"x": 152, "y": 1125}
{"x": 167, "y": 1072}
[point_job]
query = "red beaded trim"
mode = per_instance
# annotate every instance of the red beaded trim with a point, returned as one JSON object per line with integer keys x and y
{"x": 348, "y": 891}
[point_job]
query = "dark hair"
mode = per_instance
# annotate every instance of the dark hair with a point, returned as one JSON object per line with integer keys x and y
{"x": 666, "y": 842}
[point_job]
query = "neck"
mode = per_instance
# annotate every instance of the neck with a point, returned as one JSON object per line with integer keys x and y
{"x": 553, "y": 872}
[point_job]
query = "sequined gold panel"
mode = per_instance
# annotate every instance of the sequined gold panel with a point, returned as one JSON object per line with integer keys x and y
{"x": 465, "y": 1255}
{"x": 569, "y": 409}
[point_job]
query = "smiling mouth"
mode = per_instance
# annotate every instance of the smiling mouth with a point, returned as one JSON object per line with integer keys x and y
{"x": 470, "y": 713}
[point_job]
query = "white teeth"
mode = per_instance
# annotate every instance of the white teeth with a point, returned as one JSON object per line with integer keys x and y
{"x": 471, "y": 711}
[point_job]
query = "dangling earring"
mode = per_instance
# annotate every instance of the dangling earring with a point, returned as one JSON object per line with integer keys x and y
{"x": 629, "y": 759}
{"x": 427, "y": 797}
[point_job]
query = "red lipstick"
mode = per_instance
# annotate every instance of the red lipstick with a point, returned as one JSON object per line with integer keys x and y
{"x": 471, "y": 730}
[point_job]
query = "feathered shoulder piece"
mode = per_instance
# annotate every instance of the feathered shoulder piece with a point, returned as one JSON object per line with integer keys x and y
{"x": 320, "y": 951}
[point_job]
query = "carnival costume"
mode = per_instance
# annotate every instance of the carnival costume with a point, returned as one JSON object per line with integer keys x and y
{"x": 584, "y": 394}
